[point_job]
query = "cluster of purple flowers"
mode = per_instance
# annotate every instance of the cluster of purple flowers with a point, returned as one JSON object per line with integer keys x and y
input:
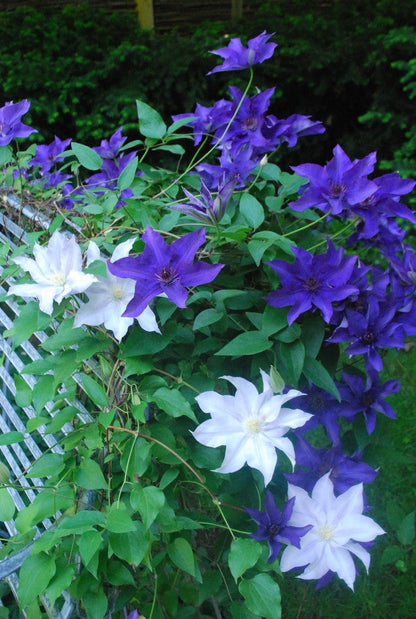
{"x": 241, "y": 128}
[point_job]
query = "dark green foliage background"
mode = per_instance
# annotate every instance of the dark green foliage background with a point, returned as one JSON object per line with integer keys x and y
{"x": 351, "y": 65}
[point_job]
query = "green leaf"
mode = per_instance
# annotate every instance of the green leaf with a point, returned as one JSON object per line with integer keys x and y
{"x": 406, "y": 529}
{"x": 80, "y": 522}
{"x": 319, "y": 376}
{"x": 118, "y": 519}
{"x": 175, "y": 149}
{"x": 293, "y": 357}
{"x": 10, "y": 438}
{"x": 29, "y": 320}
{"x": 251, "y": 210}
{"x": 244, "y": 554}
{"x": 151, "y": 123}
{"x": 23, "y": 395}
{"x": 7, "y": 506}
{"x": 43, "y": 391}
{"x": 66, "y": 336}
{"x": 392, "y": 554}
{"x": 127, "y": 175}
{"x": 35, "y": 575}
{"x": 180, "y": 552}
{"x": 261, "y": 241}
{"x": 248, "y": 343}
{"x": 87, "y": 157}
{"x": 48, "y": 464}
{"x": 262, "y": 596}
{"x": 313, "y": 333}
{"x": 173, "y": 403}
{"x": 132, "y": 546}
{"x": 94, "y": 391}
{"x": 89, "y": 476}
{"x": 148, "y": 502}
{"x": 89, "y": 543}
{"x": 60, "y": 582}
{"x": 207, "y": 317}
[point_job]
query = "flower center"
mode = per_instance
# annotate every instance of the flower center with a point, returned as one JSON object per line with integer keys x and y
{"x": 368, "y": 337}
{"x": 337, "y": 189}
{"x": 251, "y": 123}
{"x": 326, "y": 532}
{"x": 59, "y": 278}
{"x": 254, "y": 425}
{"x": 118, "y": 293}
{"x": 167, "y": 275}
{"x": 273, "y": 529}
{"x": 312, "y": 284}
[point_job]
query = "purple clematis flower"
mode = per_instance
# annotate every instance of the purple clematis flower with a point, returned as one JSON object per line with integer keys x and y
{"x": 338, "y": 186}
{"x": 10, "y": 124}
{"x": 367, "y": 397}
{"x": 344, "y": 470}
{"x": 291, "y": 128}
{"x": 164, "y": 269}
{"x": 273, "y": 526}
{"x": 377, "y": 328}
{"x": 208, "y": 210}
{"x": 237, "y": 57}
{"x": 48, "y": 154}
{"x": 207, "y": 120}
{"x": 324, "y": 409}
{"x": 313, "y": 281}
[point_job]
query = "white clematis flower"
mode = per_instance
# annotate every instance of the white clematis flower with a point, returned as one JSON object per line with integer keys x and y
{"x": 250, "y": 425}
{"x": 109, "y": 297}
{"x": 57, "y": 271}
{"x": 338, "y": 527}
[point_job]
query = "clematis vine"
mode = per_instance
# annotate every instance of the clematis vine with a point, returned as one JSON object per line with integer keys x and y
{"x": 56, "y": 271}
{"x": 250, "y": 424}
{"x": 164, "y": 269}
{"x": 109, "y": 297}
{"x": 339, "y": 530}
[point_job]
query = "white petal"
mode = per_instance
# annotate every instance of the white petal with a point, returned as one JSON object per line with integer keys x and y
{"x": 147, "y": 320}
{"x": 340, "y": 561}
{"x": 122, "y": 250}
{"x": 213, "y": 434}
{"x": 235, "y": 457}
{"x": 323, "y": 493}
{"x": 212, "y": 402}
{"x": 358, "y": 528}
{"x": 93, "y": 253}
{"x": 359, "y": 552}
{"x": 261, "y": 456}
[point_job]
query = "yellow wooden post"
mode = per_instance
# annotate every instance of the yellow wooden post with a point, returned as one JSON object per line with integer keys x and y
{"x": 236, "y": 10}
{"x": 146, "y": 16}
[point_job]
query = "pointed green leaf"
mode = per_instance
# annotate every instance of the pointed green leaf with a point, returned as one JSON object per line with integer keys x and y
{"x": 89, "y": 476}
{"x": 35, "y": 575}
{"x": 148, "y": 502}
{"x": 251, "y": 210}
{"x": 87, "y": 157}
{"x": 180, "y": 552}
{"x": 151, "y": 123}
{"x": 127, "y": 175}
{"x": 262, "y": 596}
{"x": 7, "y": 506}
{"x": 244, "y": 553}
{"x": 248, "y": 343}
{"x": 94, "y": 391}
{"x": 319, "y": 376}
